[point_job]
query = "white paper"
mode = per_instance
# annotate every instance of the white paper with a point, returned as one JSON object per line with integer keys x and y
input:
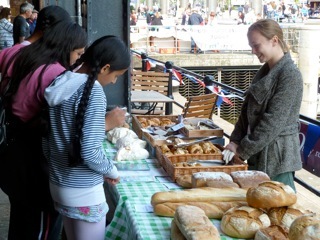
{"x": 143, "y": 208}
{"x": 171, "y": 185}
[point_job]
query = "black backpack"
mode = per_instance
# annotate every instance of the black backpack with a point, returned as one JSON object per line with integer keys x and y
{"x": 4, "y": 99}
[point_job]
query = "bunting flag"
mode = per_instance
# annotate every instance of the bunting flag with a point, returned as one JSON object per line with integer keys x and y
{"x": 148, "y": 64}
{"x": 223, "y": 96}
{"x": 194, "y": 79}
{"x": 177, "y": 75}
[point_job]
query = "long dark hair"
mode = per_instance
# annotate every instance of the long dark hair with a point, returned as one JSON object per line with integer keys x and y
{"x": 49, "y": 16}
{"x": 55, "y": 46}
{"x": 105, "y": 50}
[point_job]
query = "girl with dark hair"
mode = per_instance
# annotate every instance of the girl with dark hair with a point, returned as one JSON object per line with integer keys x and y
{"x": 23, "y": 171}
{"x": 77, "y": 163}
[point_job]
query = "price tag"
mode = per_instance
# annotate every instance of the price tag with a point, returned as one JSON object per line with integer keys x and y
{"x": 177, "y": 127}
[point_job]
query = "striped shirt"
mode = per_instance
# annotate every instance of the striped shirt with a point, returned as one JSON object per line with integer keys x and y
{"x": 63, "y": 97}
{"x": 6, "y": 31}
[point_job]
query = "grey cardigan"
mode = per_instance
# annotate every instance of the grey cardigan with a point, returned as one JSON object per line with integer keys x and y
{"x": 268, "y": 126}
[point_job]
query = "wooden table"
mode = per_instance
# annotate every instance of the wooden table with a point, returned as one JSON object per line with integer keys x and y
{"x": 150, "y": 97}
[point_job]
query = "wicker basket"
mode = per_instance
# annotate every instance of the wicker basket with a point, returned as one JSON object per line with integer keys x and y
{"x": 168, "y": 162}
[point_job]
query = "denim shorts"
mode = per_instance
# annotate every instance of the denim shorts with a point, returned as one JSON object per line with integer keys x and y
{"x": 87, "y": 213}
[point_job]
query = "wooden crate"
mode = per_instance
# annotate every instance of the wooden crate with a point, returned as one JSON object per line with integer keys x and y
{"x": 136, "y": 127}
{"x": 168, "y": 162}
{"x": 197, "y": 133}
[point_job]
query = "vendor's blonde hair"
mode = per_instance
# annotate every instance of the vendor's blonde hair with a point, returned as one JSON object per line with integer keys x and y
{"x": 269, "y": 28}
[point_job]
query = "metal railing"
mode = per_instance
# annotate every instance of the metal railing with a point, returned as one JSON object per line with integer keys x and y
{"x": 173, "y": 39}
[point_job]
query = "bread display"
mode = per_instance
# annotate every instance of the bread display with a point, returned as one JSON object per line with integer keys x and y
{"x": 205, "y": 194}
{"x": 212, "y": 209}
{"x": 154, "y": 122}
{"x": 175, "y": 232}
{"x": 271, "y": 194}
{"x": 194, "y": 224}
{"x": 200, "y": 179}
{"x": 306, "y": 227}
{"x": 284, "y": 216}
{"x": 206, "y": 147}
{"x": 244, "y": 222}
{"x": 274, "y": 232}
{"x": 249, "y": 178}
{"x": 184, "y": 181}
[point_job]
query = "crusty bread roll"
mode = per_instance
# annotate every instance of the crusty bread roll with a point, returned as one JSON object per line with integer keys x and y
{"x": 194, "y": 224}
{"x": 184, "y": 181}
{"x": 284, "y": 216}
{"x": 306, "y": 227}
{"x": 176, "y": 234}
{"x": 205, "y": 194}
{"x": 199, "y": 179}
{"x": 249, "y": 178}
{"x": 271, "y": 194}
{"x": 221, "y": 184}
{"x": 212, "y": 209}
{"x": 274, "y": 232}
{"x": 244, "y": 222}
{"x": 195, "y": 149}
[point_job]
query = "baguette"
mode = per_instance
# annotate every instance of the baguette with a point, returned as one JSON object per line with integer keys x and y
{"x": 194, "y": 224}
{"x": 271, "y": 194}
{"x": 175, "y": 232}
{"x": 212, "y": 209}
{"x": 205, "y": 194}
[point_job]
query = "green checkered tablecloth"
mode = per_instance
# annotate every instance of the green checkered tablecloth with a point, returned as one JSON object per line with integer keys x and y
{"x": 129, "y": 221}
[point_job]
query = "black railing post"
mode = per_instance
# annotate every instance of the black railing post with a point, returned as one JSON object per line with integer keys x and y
{"x": 169, "y": 108}
{"x": 144, "y": 58}
{"x": 208, "y": 81}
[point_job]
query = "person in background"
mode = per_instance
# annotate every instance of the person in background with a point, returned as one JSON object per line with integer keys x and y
{"x": 21, "y": 29}
{"x": 195, "y": 19}
{"x": 212, "y": 20}
{"x": 267, "y": 131}
{"x": 78, "y": 165}
{"x": 6, "y": 28}
{"x": 23, "y": 173}
{"x": 32, "y": 21}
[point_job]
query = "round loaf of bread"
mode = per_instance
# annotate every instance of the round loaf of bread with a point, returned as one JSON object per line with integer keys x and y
{"x": 284, "y": 216}
{"x": 306, "y": 227}
{"x": 184, "y": 181}
{"x": 271, "y": 194}
{"x": 244, "y": 222}
{"x": 274, "y": 232}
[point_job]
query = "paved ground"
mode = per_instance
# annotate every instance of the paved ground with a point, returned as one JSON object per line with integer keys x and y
{"x": 4, "y": 216}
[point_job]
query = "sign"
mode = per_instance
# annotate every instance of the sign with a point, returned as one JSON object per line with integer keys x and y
{"x": 221, "y": 37}
{"x": 310, "y": 147}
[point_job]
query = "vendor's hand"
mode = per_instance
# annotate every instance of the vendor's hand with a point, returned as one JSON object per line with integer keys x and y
{"x": 227, "y": 155}
{"x": 232, "y": 147}
{"x": 112, "y": 181}
{"x": 115, "y": 118}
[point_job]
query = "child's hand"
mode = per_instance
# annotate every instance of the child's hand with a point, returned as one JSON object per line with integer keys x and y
{"x": 115, "y": 118}
{"x": 112, "y": 181}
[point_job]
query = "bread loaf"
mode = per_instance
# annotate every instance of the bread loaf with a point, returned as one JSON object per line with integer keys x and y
{"x": 184, "y": 181}
{"x": 306, "y": 227}
{"x": 175, "y": 232}
{"x": 194, "y": 224}
{"x": 244, "y": 222}
{"x": 274, "y": 232}
{"x": 284, "y": 216}
{"x": 271, "y": 194}
{"x": 205, "y": 194}
{"x": 221, "y": 184}
{"x": 212, "y": 209}
{"x": 250, "y": 178}
{"x": 200, "y": 179}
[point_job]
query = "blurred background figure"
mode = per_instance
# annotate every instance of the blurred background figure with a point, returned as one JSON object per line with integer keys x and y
{"x": 21, "y": 29}
{"x": 32, "y": 20}
{"x": 6, "y": 28}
